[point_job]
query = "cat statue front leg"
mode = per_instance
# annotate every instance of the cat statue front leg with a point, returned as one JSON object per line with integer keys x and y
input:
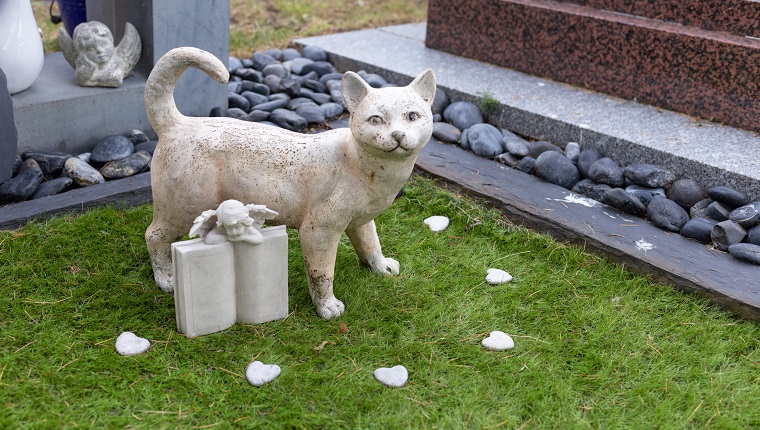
{"x": 367, "y": 246}
{"x": 319, "y": 247}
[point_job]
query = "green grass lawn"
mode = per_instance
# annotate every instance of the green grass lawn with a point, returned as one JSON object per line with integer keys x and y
{"x": 595, "y": 346}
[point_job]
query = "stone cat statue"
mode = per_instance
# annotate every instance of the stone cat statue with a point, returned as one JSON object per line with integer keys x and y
{"x": 321, "y": 184}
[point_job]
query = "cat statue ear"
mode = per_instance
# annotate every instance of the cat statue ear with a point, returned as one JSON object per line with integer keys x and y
{"x": 424, "y": 85}
{"x": 354, "y": 89}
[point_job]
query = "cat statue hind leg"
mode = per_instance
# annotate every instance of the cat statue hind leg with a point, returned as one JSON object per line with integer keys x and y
{"x": 323, "y": 184}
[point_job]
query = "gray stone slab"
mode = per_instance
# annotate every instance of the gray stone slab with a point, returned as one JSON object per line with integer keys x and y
{"x": 56, "y": 114}
{"x": 624, "y": 130}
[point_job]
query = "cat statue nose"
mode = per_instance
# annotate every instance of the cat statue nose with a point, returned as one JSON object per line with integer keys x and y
{"x": 398, "y": 136}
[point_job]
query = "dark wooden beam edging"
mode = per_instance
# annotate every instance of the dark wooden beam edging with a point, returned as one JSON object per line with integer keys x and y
{"x": 666, "y": 257}
{"x": 129, "y": 191}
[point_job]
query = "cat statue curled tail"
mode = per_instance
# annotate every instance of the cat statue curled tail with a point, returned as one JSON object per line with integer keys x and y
{"x": 321, "y": 184}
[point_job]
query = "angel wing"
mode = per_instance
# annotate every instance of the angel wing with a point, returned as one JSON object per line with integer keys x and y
{"x": 203, "y": 224}
{"x": 67, "y": 47}
{"x": 129, "y": 49}
{"x": 259, "y": 213}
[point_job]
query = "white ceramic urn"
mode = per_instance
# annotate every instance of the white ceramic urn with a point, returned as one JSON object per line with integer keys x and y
{"x": 21, "y": 54}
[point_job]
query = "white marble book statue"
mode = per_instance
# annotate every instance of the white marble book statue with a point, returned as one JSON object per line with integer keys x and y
{"x": 237, "y": 271}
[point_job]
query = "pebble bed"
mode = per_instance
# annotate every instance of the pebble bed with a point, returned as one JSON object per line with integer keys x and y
{"x": 299, "y": 91}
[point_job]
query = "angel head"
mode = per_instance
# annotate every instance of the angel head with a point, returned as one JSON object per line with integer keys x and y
{"x": 235, "y": 222}
{"x": 95, "y": 41}
{"x": 234, "y": 217}
{"x": 92, "y": 53}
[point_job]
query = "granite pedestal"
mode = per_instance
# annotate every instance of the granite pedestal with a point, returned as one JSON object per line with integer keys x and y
{"x": 701, "y": 58}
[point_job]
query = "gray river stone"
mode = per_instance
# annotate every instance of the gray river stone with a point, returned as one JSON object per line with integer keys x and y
{"x": 572, "y": 151}
{"x": 446, "y": 132}
{"x": 440, "y": 102}
{"x": 645, "y": 194}
{"x": 583, "y": 186}
{"x": 332, "y": 110}
{"x": 288, "y": 120}
{"x": 23, "y": 185}
{"x": 254, "y": 98}
{"x": 606, "y": 171}
{"x": 111, "y": 148}
{"x": 649, "y": 175}
{"x": 685, "y": 192}
{"x": 699, "y": 209}
{"x": 312, "y": 113}
{"x": 51, "y": 163}
{"x": 747, "y": 216}
{"x": 586, "y": 159}
{"x": 597, "y": 192}
{"x": 463, "y": 115}
{"x": 257, "y": 115}
{"x": 129, "y": 166}
{"x": 516, "y": 146}
{"x": 619, "y": 199}
{"x": 527, "y": 165}
{"x": 753, "y": 235}
{"x": 508, "y": 160}
{"x": 238, "y": 101}
{"x": 728, "y": 196}
{"x": 667, "y": 214}
{"x": 718, "y": 211}
{"x": 52, "y": 187}
{"x": 554, "y": 167}
{"x": 82, "y": 173}
{"x": 539, "y": 147}
{"x": 484, "y": 140}
{"x": 745, "y": 251}
{"x": 699, "y": 229}
{"x": 137, "y": 137}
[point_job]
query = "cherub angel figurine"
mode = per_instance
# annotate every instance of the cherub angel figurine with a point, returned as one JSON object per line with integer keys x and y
{"x": 235, "y": 222}
{"x": 93, "y": 55}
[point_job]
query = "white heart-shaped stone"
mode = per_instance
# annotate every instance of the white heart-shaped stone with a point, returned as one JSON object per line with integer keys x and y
{"x": 395, "y": 376}
{"x": 497, "y": 276}
{"x": 258, "y": 373}
{"x": 498, "y": 341}
{"x": 437, "y": 222}
{"x": 130, "y": 344}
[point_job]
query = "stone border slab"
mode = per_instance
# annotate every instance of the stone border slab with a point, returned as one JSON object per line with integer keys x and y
{"x": 130, "y": 191}
{"x": 666, "y": 257}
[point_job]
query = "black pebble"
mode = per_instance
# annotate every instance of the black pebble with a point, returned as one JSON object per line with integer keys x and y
{"x": 728, "y": 196}
{"x": 111, "y": 148}
{"x": 52, "y": 187}
{"x": 685, "y": 192}
{"x": 622, "y": 200}
{"x": 699, "y": 229}
{"x": 667, "y": 214}
{"x": 586, "y": 159}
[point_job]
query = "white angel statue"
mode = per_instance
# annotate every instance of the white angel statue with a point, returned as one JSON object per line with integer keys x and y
{"x": 234, "y": 222}
{"x": 92, "y": 54}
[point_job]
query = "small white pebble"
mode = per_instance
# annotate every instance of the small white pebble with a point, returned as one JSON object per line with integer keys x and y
{"x": 437, "y": 223}
{"x": 395, "y": 376}
{"x": 497, "y": 276}
{"x": 129, "y": 344}
{"x": 498, "y": 341}
{"x": 258, "y": 373}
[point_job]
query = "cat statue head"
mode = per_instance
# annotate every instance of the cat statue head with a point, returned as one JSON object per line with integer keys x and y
{"x": 393, "y": 122}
